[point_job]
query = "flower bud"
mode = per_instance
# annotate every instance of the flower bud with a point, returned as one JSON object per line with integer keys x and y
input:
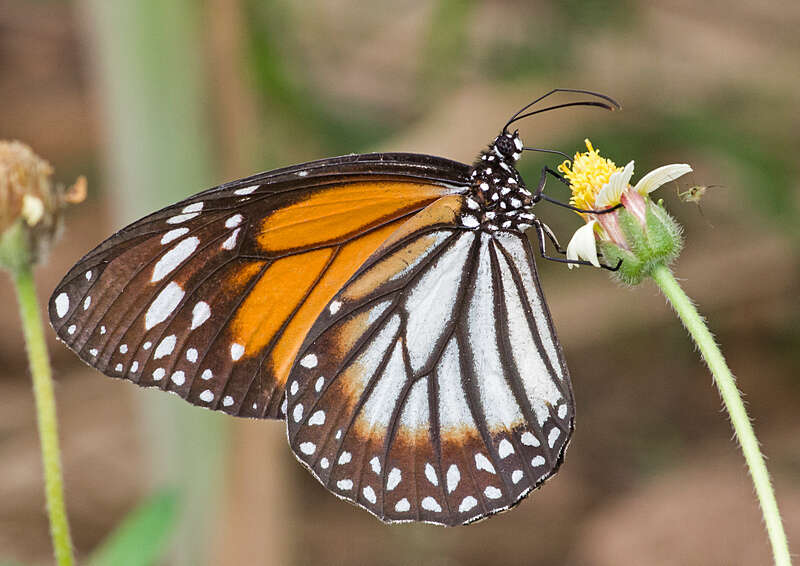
{"x": 30, "y": 204}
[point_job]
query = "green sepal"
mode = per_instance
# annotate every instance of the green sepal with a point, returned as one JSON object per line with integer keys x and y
{"x": 15, "y": 247}
{"x": 657, "y": 242}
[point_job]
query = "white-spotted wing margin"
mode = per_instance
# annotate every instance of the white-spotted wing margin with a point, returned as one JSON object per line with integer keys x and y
{"x": 446, "y": 386}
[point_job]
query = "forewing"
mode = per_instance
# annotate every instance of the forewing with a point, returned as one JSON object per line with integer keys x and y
{"x": 433, "y": 388}
{"x": 212, "y": 298}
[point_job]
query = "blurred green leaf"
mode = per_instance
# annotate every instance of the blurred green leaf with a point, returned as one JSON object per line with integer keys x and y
{"x": 142, "y": 537}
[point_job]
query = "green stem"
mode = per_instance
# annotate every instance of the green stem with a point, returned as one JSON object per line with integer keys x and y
{"x": 45, "y": 411}
{"x": 726, "y": 384}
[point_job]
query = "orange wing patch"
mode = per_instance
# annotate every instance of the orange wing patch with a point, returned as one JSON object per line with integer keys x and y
{"x": 334, "y": 214}
{"x": 348, "y": 259}
{"x": 272, "y": 300}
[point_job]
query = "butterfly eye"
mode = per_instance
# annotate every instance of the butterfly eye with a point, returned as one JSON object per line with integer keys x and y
{"x": 505, "y": 145}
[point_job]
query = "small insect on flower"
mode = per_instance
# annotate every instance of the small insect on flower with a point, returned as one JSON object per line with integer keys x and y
{"x": 695, "y": 194}
{"x": 639, "y": 232}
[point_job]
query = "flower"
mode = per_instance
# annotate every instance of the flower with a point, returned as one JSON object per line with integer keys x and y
{"x": 640, "y": 233}
{"x": 586, "y": 172}
{"x": 31, "y": 204}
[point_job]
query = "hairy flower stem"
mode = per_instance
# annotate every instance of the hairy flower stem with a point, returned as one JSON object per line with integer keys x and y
{"x": 732, "y": 399}
{"x": 22, "y": 274}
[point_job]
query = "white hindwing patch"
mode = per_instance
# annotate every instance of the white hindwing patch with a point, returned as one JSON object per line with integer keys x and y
{"x": 450, "y": 396}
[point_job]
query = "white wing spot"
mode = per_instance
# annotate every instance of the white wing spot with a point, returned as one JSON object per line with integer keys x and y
{"x": 308, "y": 448}
{"x": 283, "y": 406}
{"x": 123, "y": 349}
{"x": 93, "y": 351}
{"x": 375, "y": 464}
{"x": 87, "y": 302}
{"x": 165, "y": 347}
{"x": 338, "y": 434}
{"x": 453, "y": 477}
{"x": 233, "y": 221}
{"x": 309, "y": 361}
{"x": 163, "y": 305}
{"x": 72, "y": 328}
{"x": 469, "y": 221}
{"x": 467, "y": 503}
{"x": 516, "y": 475}
{"x": 177, "y": 219}
{"x": 170, "y": 261}
{"x": 430, "y": 473}
{"x": 529, "y": 440}
{"x": 173, "y": 234}
{"x": 147, "y": 345}
{"x": 194, "y": 207}
{"x": 103, "y": 329}
{"x": 294, "y": 387}
{"x": 318, "y": 385}
{"x": 344, "y": 458}
{"x": 538, "y": 461}
{"x": 245, "y": 190}
{"x": 394, "y": 478}
{"x": 553, "y": 436}
{"x": 178, "y": 378}
{"x": 88, "y": 275}
{"x": 62, "y": 305}
{"x": 505, "y": 448}
{"x": 318, "y": 418}
{"x": 297, "y": 413}
{"x": 402, "y": 506}
{"x": 483, "y": 463}
{"x": 237, "y": 351}
{"x": 134, "y": 366}
{"x": 118, "y": 367}
{"x": 345, "y": 484}
{"x": 335, "y": 306}
{"x": 191, "y": 355}
{"x": 562, "y": 411}
{"x": 200, "y": 313}
{"x": 369, "y": 494}
{"x": 492, "y": 492}
{"x": 430, "y": 504}
{"x": 302, "y": 173}
{"x": 158, "y": 374}
{"x": 207, "y": 396}
{"x": 324, "y": 463}
{"x": 207, "y": 374}
{"x": 227, "y": 401}
{"x": 230, "y": 242}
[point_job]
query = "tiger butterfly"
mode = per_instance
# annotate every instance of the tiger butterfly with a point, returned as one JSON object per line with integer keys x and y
{"x": 386, "y": 305}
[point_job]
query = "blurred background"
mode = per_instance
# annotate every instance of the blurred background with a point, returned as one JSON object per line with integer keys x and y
{"x": 154, "y": 101}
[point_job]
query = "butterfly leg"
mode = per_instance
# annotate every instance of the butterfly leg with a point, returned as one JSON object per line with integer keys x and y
{"x": 542, "y": 232}
{"x": 539, "y": 195}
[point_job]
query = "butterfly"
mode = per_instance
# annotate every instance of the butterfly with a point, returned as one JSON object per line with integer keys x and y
{"x": 385, "y": 305}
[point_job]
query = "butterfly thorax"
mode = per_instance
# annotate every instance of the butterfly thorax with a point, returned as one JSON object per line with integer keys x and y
{"x": 498, "y": 198}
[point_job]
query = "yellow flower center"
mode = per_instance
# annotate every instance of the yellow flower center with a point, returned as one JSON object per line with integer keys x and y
{"x": 587, "y": 173}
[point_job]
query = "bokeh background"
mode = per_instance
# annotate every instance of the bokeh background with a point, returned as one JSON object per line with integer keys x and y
{"x": 156, "y": 100}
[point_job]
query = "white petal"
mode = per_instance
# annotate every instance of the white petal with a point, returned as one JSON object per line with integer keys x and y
{"x": 611, "y": 192}
{"x": 658, "y": 177}
{"x": 582, "y": 245}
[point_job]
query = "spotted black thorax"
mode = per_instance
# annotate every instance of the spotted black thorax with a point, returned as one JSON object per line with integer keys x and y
{"x": 498, "y": 198}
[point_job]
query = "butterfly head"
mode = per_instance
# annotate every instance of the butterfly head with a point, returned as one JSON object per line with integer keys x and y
{"x": 508, "y": 146}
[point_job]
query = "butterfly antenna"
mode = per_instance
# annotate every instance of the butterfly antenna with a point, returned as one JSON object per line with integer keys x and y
{"x": 610, "y": 104}
{"x": 547, "y": 151}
